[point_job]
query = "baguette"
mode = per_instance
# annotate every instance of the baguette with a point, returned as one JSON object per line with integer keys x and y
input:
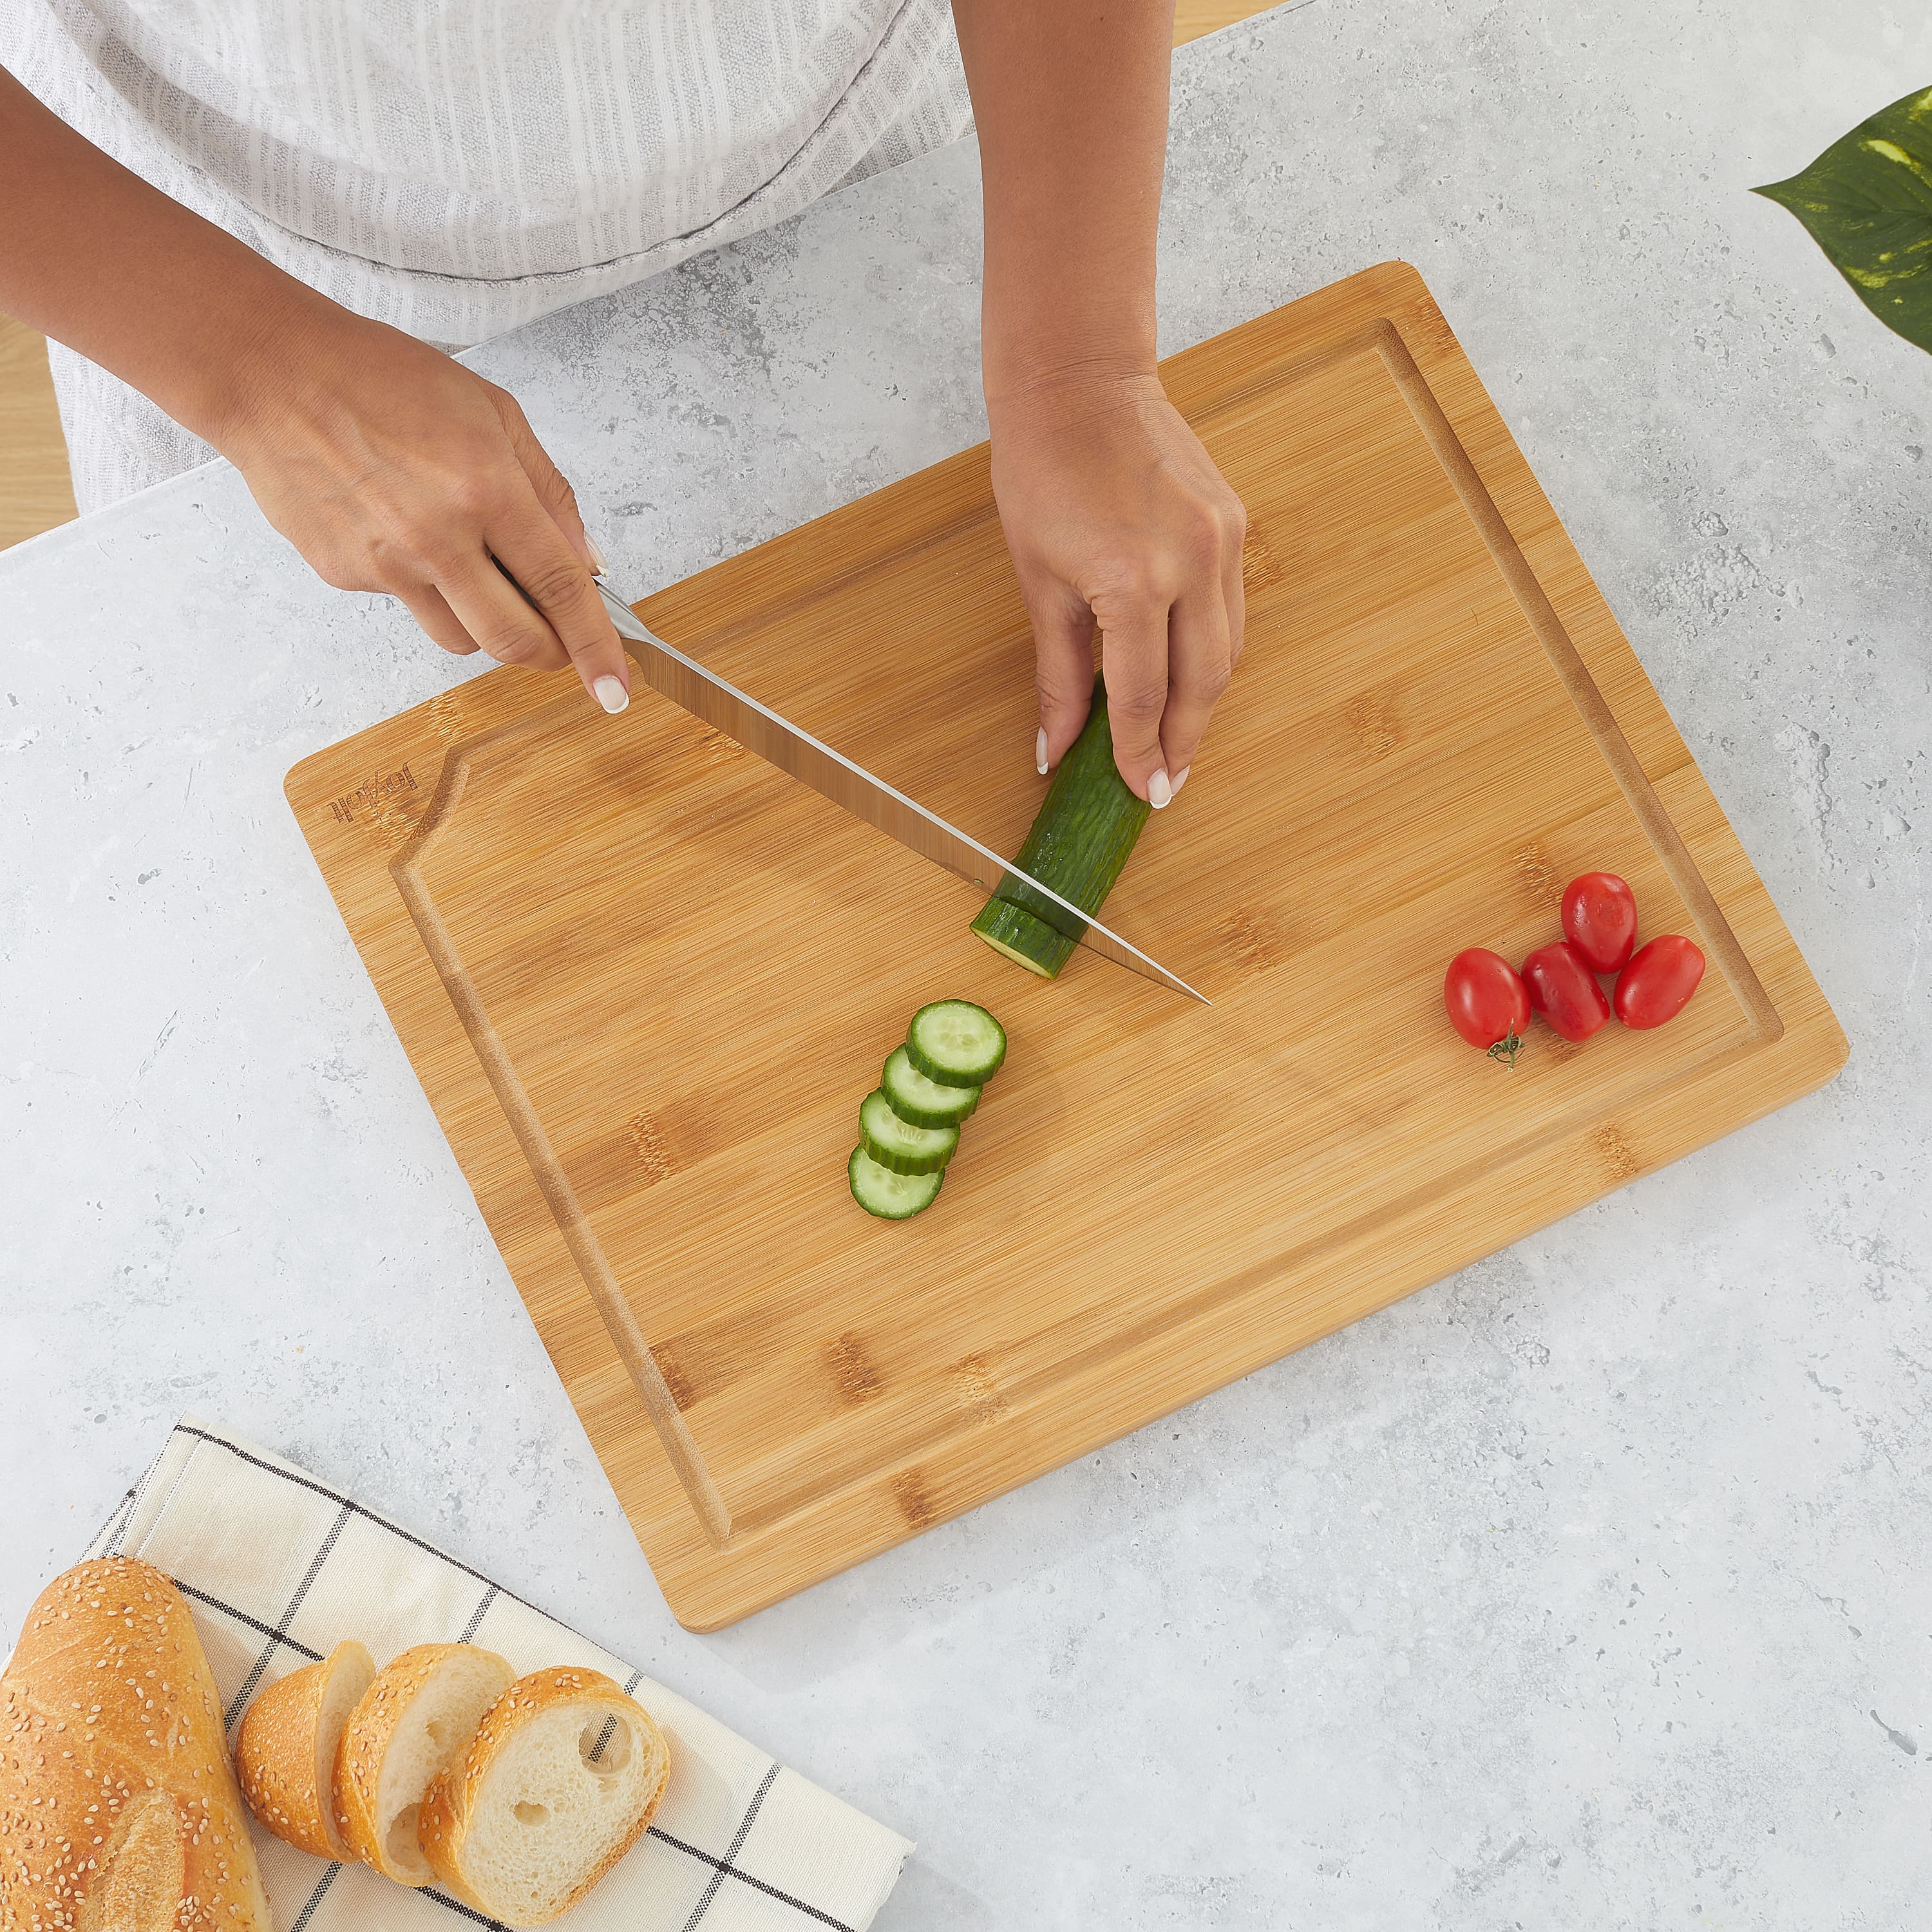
{"x": 118, "y": 1809}
{"x": 418, "y": 1715}
{"x": 285, "y": 1752}
{"x": 564, "y": 1774}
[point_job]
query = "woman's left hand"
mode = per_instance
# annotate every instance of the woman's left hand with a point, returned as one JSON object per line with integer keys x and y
{"x": 1117, "y": 517}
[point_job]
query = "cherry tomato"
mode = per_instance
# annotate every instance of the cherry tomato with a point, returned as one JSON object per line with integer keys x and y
{"x": 1563, "y": 989}
{"x": 1658, "y": 984}
{"x": 1487, "y": 1000}
{"x": 1600, "y": 920}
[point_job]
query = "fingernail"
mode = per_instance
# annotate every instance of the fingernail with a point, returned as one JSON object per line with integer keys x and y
{"x": 1180, "y": 781}
{"x": 1040, "y": 751}
{"x": 610, "y": 692}
{"x": 602, "y": 569}
{"x": 1158, "y": 791}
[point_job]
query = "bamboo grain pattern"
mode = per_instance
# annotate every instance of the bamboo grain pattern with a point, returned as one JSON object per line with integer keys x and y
{"x": 646, "y": 980}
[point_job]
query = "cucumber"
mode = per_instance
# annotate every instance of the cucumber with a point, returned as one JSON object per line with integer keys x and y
{"x": 909, "y": 1124}
{"x": 904, "y": 1149}
{"x": 956, "y": 1043}
{"x": 921, "y": 1102}
{"x": 892, "y": 1197}
{"x": 1086, "y": 829}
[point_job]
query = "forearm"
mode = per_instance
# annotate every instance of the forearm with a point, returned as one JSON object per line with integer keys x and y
{"x": 92, "y": 256}
{"x": 1071, "y": 101}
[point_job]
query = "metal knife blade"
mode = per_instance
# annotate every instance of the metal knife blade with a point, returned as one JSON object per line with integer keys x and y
{"x": 758, "y": 728}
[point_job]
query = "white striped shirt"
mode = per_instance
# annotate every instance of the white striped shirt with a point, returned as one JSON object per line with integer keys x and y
{"x": 459, "y": 167}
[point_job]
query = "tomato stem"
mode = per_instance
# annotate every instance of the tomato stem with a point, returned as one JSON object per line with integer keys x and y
{"x": 1508, "y": 1048}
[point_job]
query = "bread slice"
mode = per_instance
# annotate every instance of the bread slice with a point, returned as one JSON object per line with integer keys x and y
{"x": 118, "y": 1811}
{"x": 563, "y": 1776}
{"x": 418, "y": 1717}
{"x": 285, "y": 1751}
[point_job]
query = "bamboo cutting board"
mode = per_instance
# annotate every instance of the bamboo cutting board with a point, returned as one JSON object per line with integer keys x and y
{"x": 647, "y": 980}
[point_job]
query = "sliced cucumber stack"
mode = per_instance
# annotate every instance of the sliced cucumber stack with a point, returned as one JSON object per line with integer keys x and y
{"x": 909, "y": 1124}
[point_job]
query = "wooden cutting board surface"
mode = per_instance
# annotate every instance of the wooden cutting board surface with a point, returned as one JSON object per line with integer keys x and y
{"x": 647, "y": 980}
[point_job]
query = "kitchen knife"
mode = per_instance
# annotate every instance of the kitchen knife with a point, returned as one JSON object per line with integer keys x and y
{"x": 725, "y": 708}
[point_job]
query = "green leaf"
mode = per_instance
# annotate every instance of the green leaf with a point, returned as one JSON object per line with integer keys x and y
{"x": 1866, "y": 201}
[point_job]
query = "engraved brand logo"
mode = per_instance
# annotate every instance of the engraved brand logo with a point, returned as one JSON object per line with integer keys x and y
{"x": 373, "y": 795}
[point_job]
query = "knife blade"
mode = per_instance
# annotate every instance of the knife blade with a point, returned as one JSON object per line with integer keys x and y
{"x": 722, "y": 705}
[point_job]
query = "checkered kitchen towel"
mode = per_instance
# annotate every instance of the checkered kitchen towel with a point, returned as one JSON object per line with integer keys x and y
{"x": 278, "y": 1568}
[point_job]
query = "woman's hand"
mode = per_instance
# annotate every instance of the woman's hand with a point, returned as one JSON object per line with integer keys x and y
{"x": 1118, "y": 518}
{"x": 387, "y": 465}
{"x": 1114, "y": 514}
{"x": 391, "y": 468}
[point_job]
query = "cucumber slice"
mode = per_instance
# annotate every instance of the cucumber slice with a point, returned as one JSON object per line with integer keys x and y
{"x": 892, "y": 1197}
{"x": 956, "y": 1043}
{"x": 921, "y": 1102}
{"x": 1027, "y": 941}
{"x": 904, "y": 1149}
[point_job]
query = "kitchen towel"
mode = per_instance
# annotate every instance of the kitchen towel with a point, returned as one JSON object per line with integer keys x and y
{"x": 278, "y": 1568}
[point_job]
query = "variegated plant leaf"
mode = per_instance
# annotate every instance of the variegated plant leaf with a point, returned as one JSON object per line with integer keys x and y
{"x": 1866, "y": 201}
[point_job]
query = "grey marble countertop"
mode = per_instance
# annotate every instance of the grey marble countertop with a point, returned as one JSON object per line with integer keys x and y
{"x": 1592, "y": 1588}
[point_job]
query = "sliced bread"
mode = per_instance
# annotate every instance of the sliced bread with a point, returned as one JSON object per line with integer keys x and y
{"x": 285, "y": 1752}
{"x": 417, "y": 1716}
{"x": 563, "y": 1775}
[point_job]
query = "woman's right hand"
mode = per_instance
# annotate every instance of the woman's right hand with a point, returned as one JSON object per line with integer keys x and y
{"x": 387, "y": 465}
{"x": 392, "y": 468}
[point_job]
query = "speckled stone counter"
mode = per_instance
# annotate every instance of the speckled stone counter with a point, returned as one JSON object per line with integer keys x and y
{"x": 1590, "y": 1588}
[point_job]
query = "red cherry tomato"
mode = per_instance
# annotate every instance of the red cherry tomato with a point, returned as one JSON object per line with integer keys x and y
{"x": 1563, "y": 989}
{"x": 1487, "y": 1000}
{"x": 1658, "y": 984}
{"x": 1600, "y": 920}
